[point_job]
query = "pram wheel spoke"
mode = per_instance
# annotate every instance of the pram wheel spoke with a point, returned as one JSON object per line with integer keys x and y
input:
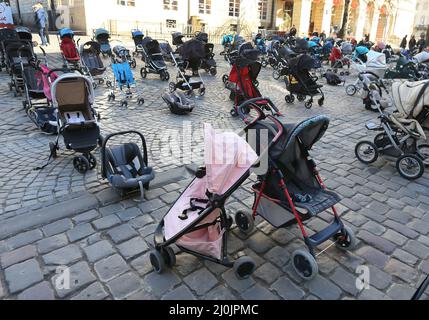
{"x": 244, "y": 267}
{"x": 304, "y": 264}
{"x": 244, "y": 221}
{"x": 345, "y": 239}
{"x": 81, "y": 164}
{"x": 410, "y": 166}
{"x": 366, "y": 152}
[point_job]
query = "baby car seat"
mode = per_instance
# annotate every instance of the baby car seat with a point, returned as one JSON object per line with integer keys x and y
{"x": 124, "y": 165}
{"x": 178, "y": 102}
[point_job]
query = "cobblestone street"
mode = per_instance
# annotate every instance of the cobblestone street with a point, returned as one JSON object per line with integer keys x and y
{"x": 58, "y": 217}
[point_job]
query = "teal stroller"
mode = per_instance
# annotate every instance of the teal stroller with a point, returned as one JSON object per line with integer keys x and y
{"x": 123, "y": 83}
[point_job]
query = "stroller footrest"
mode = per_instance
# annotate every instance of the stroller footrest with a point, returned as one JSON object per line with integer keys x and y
{"x": 323, "y": 235}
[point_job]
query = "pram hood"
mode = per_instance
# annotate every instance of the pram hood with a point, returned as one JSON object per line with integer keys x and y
{"x": 193, "y": 51}
{"x": 228, "y": 157}
{"x": 177, "y": 38}
{"x": 376, "y": 60}
{"x": 90, "y": 46}
{"x": 247, "y": 54}
{"x": 137, "y": 34}
{"x": 422, "y": 57}
{"x": 410, "y": 97}
{"x": 202, "y": 36}
{"x": 286, "y": 52}
{"x": 66, "y": 32}
{"x": 361, "y": 50}
{"x": 120, "y": 50}
{"x": 226, "y": 39}
{"x": 152, "y": 46}
{"x": 303, "y": 62}
{"x": 102, "y": 34}
{"x": 24, "y": 33}
{"x": 8, "y": 34}
{"x": 64, "y": 91}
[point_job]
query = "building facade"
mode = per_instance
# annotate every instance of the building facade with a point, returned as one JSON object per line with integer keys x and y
{"x": 385, "y": 20}
{"x": 421, "y": 19}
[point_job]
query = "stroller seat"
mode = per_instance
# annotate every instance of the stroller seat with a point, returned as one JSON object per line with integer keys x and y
{"x": 69, "y": 50}
{"x": 128, "y": 168}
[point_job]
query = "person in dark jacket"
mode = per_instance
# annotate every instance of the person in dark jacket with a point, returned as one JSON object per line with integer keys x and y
{"x": 403, "y": 44}
{"x": 412, "y": 43}
{"x": 421, "y": 44}
{"x": 41, "y": 18}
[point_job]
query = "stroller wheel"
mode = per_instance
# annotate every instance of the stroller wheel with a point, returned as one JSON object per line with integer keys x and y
{"x": 101, "y": 81}
{"x": 213, "y": 71}
{"x": 244, "y": 221}
{"x": 345, "y": 239}
{"x": 347, "y": 73}
{"x": 133, "y": 63}
{"x": 276, "y": 74}
{"x": 423, "y": 153}
{"x": 157, "y": 261}
{"x": 92, "y": 161}
{"x": 308, "y": 104}
{"x": 171, "y": 86}
{"x": 304, "y": 264}
{"x": 366, "y": 152}
{"x": 256, "y": 83}
{"x": 140, "y": 101}
{"x": 53, "y": 150}
{"x": 229, "y": 222}
{"x": 124, "y": 104}
{"x": 169, "y": 257}
{"x": 109, "y": 84}
{"x": 290, "y": 98}
{"x": 264, "y": 63}
{"x": 410, "y": 166}
{"x": 81, "y": 164}
{"x": 351, "y": 90}
{"x": 320, "y": 102}
{"x": 225, "y": 78}
{"x": 244, "y": 267}
{"x": 202, "y": 91}
{"x": 301, "y": 97}
{"x": 233, "y": 112}
{"x": 143, "y": 73}
{"x": 94, "y": 85}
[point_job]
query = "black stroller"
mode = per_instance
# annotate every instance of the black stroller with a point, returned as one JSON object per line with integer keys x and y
{"x": 92, "y": 65}
{"x": 191, "y": 53}
{"x": 73, "y": 97}
{"x": 299, "y": 81}
{"x": 122, "y": 54}
{"x": 153, "y": 59}
{"x": 102, "y": 36}
{"x": 177, "y": 38}
{"x": 6, "y": 34}
{"x": 209, "y": 63}
{"x": 289, "y": 189}
{"x": 137, "y": 36}
{"x": 125, "y": 166}
{"x": 166, "y": 50}
{"x": 282, "y": 55}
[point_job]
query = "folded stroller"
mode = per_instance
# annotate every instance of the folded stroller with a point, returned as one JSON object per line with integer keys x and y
{"x": 68, "y": 49}
{"x": 123, "y": 81}
{"x": 300, "y": 82}
{"x": 122, "y": 54}
{"x": 243, "y": 78}
{"x": 92, "y": 64}
{"x": 125, "y": 166}
{"x": 398, "y": 138}
{"x": 197, "y": 222}
{"x": 208, "y": 63}
{"x": 192, "y": 53}
{"x": 6, "y": 34}
{"x": 290, "y": 190}
{"x": 73, "y": 97}
{"x": 137, "y": 36}
{"x": 102, "y": 36}
{"x": 153, "y": 59}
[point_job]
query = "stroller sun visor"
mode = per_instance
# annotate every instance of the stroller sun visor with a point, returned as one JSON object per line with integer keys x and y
{"x": 248, "y": 55}
{"x": 228, "y": 158}
{"x": 303, "y": 62}
{"x": 376, "y": 60}
{"x": 91, "y": 46}
{"x": 202, "y": 36}
{"x": 102, "y": 34}
{"x": 177, "y": 38}
{"x": 137, "y": 34}
{"x": 24, "y": 33}
{"x": 72, "y": 90}
{"x": 361, "y": 50}
{"x": 66, "y": 32}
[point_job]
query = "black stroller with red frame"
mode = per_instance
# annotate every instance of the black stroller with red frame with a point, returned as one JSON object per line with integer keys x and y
{"x": 242, "y": 80}
{"x": 291, "y": 190}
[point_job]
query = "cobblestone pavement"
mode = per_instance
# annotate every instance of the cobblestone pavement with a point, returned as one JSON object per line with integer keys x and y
{"x": 57, "y": 217}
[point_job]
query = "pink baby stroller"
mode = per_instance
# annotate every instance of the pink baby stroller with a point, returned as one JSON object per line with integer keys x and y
{"x": 197, "y": 222}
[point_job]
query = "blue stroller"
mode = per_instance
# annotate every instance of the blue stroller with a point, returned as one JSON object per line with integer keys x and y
{"x": 102, "y": 36}
{"x": 124, "y": 82}
{"x": 137, "y": 36}
{"x": 261, "y": 46}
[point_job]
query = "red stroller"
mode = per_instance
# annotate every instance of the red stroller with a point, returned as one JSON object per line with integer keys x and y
{"x": 290, "y": 190}
{"x": 242, "y": 80}
{"x": 68, "y": 49}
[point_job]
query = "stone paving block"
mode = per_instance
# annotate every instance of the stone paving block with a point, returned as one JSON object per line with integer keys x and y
{"x": 57, "y": 227}
{"x": 141, "y": 221}
{"x": 41, "y": 291}
{"x": 180, "y": 293}
{"x": 373, "y": 256}
{"x": 187, "y": 263}
{"x": 98, "y": 250}
{"x": 424, "y": 266}
{"x": 400, "y": 292}
{"x": 23, "y": 239}
{"x": 24, "y": 253}
{"x": 201, "y": 281}
{"x": 374, "y": 228}
{"x": 141, "y": 295}
{"x": 122, "y": 233}
{"x": 345, "y": 281}
{"x": 260, "y": 243}
{"x": 405, "y": 257}
{"x": 110, "y": 209}
{"x": 63, "y": 256}
{"x": 400, "y": 270}
{"x": 85, "y": 217}
{"x": 378, "y": 242}
{"x": 379, "y": 279}
{"x": 278, "y": 256}
{"x": 159, "y": 284}
{"x": 323, "y": 288}
{"x": 22, "y": 275}
{"x": 152, "y": 205}
{"x": 80, "y": 276}
{"x": 287, "y": 289}
{"x": 372, "y": 294}
{"x": 79, "y": 232}
{"x": 128, "y": 214}
{"x": 110, "y": 267}
{"x": 402, "y": 229}
{"x": 258, "y": 292}
{"x": 267, "y": 272}
{"x": 219, "y": 293}
{"x": 282, "y": 236}
{"x": 417, "y": 249}
{"x": 94, "y": 291}
{"x": 142, "y": 264}
{"x": 132, "y": 248}
{"x": 233, "y": 282}
{"x": 106, "y": 222}
{"x": 54, "y": 242}
{"x": 2, "y": 291}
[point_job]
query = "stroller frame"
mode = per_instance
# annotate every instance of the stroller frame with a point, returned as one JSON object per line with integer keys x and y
{"x": 121, "y": 86}
{"x": 304, "y": 262}
{"x": 150, "y": 67}
{"x": 183, "y": 81}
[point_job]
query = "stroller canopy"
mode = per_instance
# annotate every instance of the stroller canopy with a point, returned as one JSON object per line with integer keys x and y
{"x": 66, "y": 32}
{"x": 286, "y": 52}
{"x": 422, "y": 57}
{"x": 410, "y": 97}
{"x": 202, "y": 36}
{"x": 8, "y": 34}
{"x": 90, "y": 46}
{"x": 302, "y": 63}
{"x": 226, "y": 39}
{"x": 301, "y": 45}
{"x": 102, "y": 34}
{"x": 247, "y": 54}
{"x": 361, "y": 50}
{"x": 137, "y": 34}
{"x": 193, "y": 51}
{"x": 24, "y": 33}
{"x": 177, "y": 38}
{"x": 376, "y": 59}
{"x": 73, "y": 90}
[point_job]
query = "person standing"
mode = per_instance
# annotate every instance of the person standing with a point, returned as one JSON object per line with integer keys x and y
{"x": 403, "y": 44}
{"x": 421, "y": 44}
{"x": 41, "y": 18}
{"x": 412, "y": 43}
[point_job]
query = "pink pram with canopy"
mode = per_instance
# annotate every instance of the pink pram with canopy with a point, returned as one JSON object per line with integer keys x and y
{"x": 197, "y": 222}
